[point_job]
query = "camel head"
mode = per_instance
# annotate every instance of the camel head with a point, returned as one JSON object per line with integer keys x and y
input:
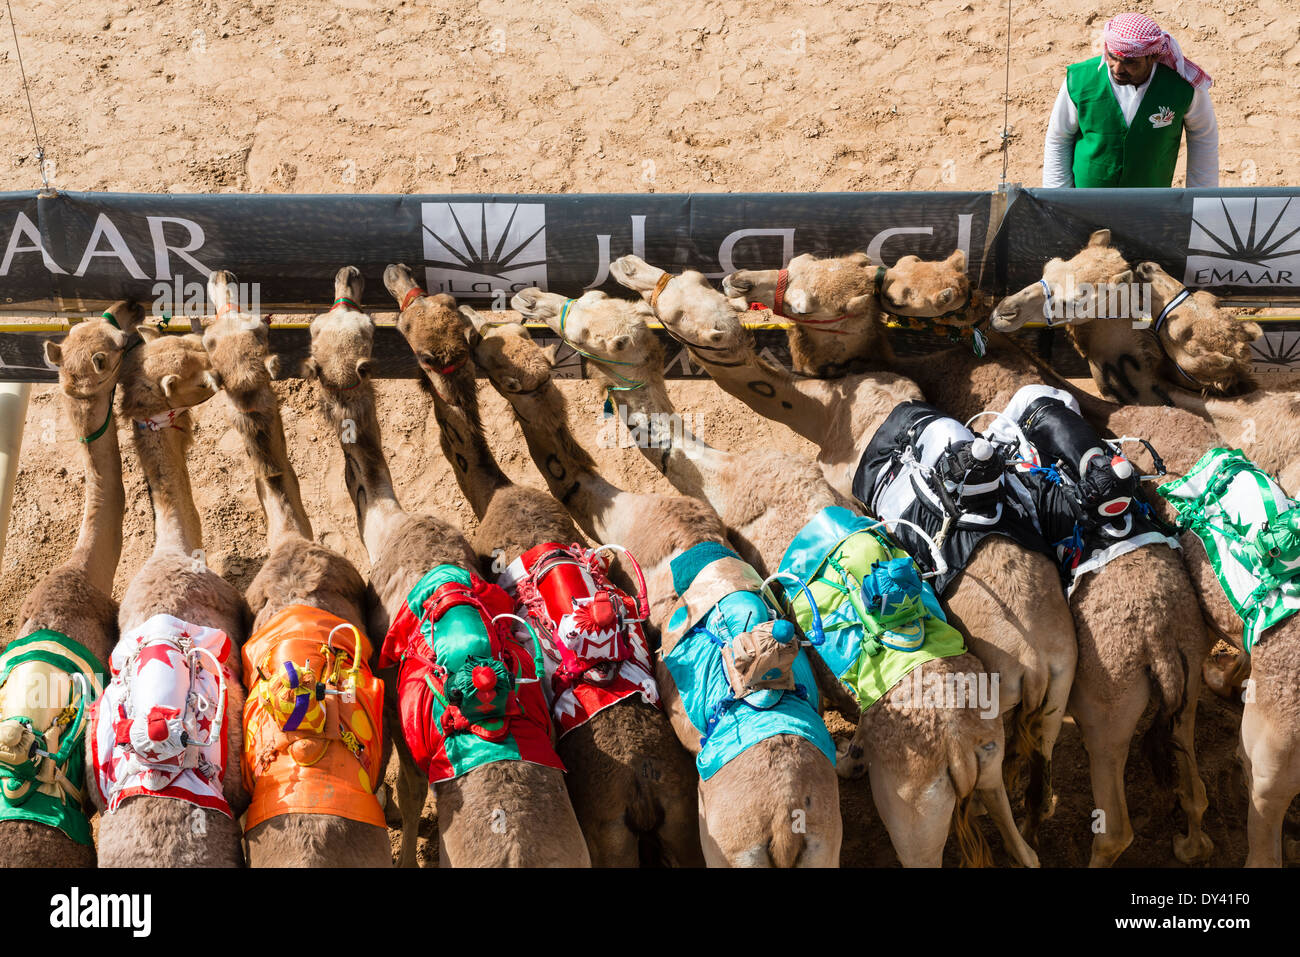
{"x": 342, "y": 338}
{"x": 430, "y": 325}
{"x": 238, "y": 343}
{"x": 816, "y": 288}
{"x": 89, "y": 358}
{"x": 692, "y": 311}
{"x": 166, "y": 372}
{"x": 516, "y": 366}
{"x": 1210, "y": 345}
{"x": 1075, "y": 285}
{"x": 613, "y": 332}
{"x": 920, "y": 287}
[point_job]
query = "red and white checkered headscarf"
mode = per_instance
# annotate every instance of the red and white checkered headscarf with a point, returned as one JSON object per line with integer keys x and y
{"x": 1134, "y": 34}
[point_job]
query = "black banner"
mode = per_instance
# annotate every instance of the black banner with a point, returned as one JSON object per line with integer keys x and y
{"x": 73, "y": 253}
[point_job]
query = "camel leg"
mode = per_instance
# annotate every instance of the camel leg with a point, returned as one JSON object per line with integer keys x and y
{"x": 917, "y": 827}
{"x": 998, "y": 805}
{"x": 714, "y": 856}
{"x": 412, "y": 790}
{"x": 1273, "y": 778}
{"x": 1196, "y": 845}
{"x": 1107, "y": 727}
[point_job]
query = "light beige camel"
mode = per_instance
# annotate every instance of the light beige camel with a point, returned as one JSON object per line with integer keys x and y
{"x": 540, "y": 828}
{"x": 160, "y": 381}
{"x": 1007, "y": 602}
{"x": 631, "y": 783}
{"x": 763, "y": 497}
{"x": 1135, "y": 622}
{"x": 745, "y": 809}
{"x": 297, "y": 571}
{"x": 1131, "y": 365}
{"x": 76, "y": 598}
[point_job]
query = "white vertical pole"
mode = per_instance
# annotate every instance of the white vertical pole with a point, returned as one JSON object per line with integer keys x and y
{"x": 13, "y": 415}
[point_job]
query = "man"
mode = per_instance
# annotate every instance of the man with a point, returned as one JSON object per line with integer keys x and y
{"x": 1119, "y": 118}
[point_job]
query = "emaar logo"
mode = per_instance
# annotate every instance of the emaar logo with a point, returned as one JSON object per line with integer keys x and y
{"x": 471, "y": 250}
{"x": 1247, "y": 241}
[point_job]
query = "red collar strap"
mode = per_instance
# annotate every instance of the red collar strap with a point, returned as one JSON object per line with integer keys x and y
{"x": 412, "y": 294}
{"x": 778, "y": 295}
{"x": 222, "y": 310}
{"x": 448, "y": 370}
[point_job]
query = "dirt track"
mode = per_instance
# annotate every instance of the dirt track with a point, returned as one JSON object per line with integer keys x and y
{"x": 349, "y": 96}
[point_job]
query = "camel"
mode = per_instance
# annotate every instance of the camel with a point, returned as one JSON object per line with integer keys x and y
{"x": 540, "y": 826}
{"x": 297, "y": 574}
{"x": 745, "y": 809}
{"x": 762, "y": 497}
{"x": 1008, "y": 601}
{"x": 1145, "y": 593}
{"x": 1130, "y": 364}
{"x": 160, "y": 382}
{"x": 74, "y": 600}
{"x": 628, "y": 817}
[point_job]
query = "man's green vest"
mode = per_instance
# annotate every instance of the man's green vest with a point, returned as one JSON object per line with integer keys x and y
{"x": 1107, "y": 152}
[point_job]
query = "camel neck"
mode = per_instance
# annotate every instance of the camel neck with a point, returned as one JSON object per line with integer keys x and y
{"x": 804, "y": 405}
{"x": 568, "y": 469}
{"x": 162, "y": 455}
{"x": 663, "y": 436}
{"x": 256, "y": 416}
{"x": 859, "y": 341}
{"x": 99, "y": 541}
{"x": 365, "y": 467}
{"x": 460, "y": 433}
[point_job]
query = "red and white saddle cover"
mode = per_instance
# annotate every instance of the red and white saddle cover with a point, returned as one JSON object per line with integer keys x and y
{"x": 158, "y": 729}
{"x": 595, "y": 656}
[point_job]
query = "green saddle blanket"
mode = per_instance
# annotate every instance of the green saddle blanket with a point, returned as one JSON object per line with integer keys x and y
{"x": 1251, "y": 531}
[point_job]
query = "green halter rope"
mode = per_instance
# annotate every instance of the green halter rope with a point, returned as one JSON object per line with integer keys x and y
{"x": 344, "y": 300}
{"x": 630, "y": 384}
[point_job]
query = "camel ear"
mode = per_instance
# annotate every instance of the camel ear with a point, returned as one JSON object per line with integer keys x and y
{"x": 550, "y": 352}
{"x": 796, "y": 301}
{"x": 272, "y": 363}
{"x": 858, "y": 305}
{"x": 212, "y": 380}
{"x": 147, "y": 333}
{"x": 99, "y": 361}
{"x": 958, "y": 259}
{"x": 53, "y": 352}
{"x": 1249, "y": 331}
{"x": 621, "y": 343}
{"x": 1100, "y": 238}
{"x": 859, "y": 259}
{"x": 310, "y": 368}
{"x": 1145, "y": 270}
{"x": 1124, "y": 278}
{"x": 475, "y": 318}
{"x": 363, "y": 368}
{"x": 168, "y": 384}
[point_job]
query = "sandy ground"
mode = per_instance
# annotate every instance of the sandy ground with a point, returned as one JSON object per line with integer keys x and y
{"x": 352, "y": 96}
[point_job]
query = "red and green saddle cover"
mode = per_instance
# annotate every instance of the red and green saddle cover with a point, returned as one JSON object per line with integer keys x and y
{"x": 467, "y": 687}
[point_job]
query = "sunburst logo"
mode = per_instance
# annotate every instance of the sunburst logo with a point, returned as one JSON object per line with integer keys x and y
{"x": 475, "y": 250}
{"x": 1244, "y": 241}
{"x": 1276, "y": 350}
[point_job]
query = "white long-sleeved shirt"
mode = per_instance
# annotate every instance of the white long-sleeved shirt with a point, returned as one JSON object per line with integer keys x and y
{"x": 1200, "y": 123}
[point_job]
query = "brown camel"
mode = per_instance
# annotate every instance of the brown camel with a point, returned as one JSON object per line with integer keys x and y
{"x": 297, "y": 572}
{"x": 160, "y": 382}
{"x": 540, "y": 826}
{"x": 1145, "y": 593}
{"x": 762, "y": 497}
{"x": 76, "y": 598}
{"x": 1007, "y": 602}
{"x": 631, "y": 783}
{"x": 745, "y": 809}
